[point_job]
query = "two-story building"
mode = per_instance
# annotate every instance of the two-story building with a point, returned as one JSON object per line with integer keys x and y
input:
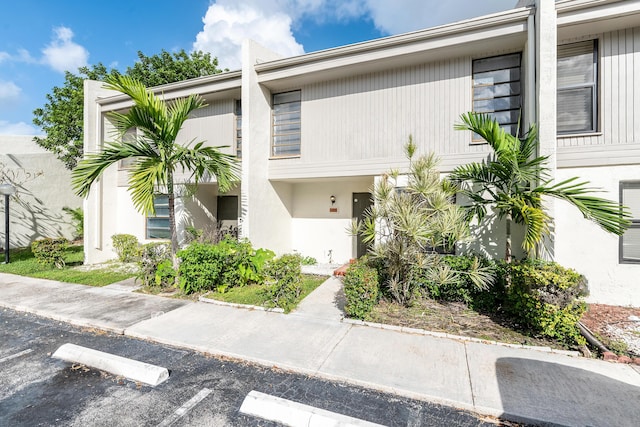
{"x": 313, "y": 132}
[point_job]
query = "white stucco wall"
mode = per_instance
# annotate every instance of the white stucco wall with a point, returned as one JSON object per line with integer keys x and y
{"x": 315, "y": 230}
{"x": 588, "y": 249}
{"x": 43, "y": 188}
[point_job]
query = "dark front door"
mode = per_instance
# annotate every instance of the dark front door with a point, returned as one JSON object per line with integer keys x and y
{"x": 361, "y": 202}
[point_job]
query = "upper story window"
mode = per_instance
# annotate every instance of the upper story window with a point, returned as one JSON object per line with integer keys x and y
{"x": 577, "y": 87}
{"x": 630, "y": 240}
{"x": 286, "y": 124}
{"x": 158, "y": 224}
{"x": 127, "y": 163}
{"x": 497, "y": 89}
{"x": 238, "y": 114}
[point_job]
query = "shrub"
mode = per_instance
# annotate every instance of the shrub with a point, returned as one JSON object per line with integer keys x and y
{"x": 200, "y": 267}
{"x": 284, "y": 278}
{"x": 50, "y": 251}
{"x": 545, "y": 297}
{"x": 360, "y": 289}
{"x": 152, "y": 256}
{"x": 165, "y": 274}
{"x": 228, "y": 264}
{"x": 126, "y": 246}
{"x": 457, "y": 278}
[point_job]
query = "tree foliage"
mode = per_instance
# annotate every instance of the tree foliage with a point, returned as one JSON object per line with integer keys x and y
{"x": 61, "y": 118}
{"x": 514, "y": 180}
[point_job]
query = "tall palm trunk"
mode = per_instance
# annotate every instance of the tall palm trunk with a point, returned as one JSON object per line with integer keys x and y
{"x": 507, "y": 253}
{"x": 172, "y": 219}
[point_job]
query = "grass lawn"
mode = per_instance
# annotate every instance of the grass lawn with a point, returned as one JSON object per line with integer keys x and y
{"x": 251, "y": 294}
{"x": 23, "y": 263}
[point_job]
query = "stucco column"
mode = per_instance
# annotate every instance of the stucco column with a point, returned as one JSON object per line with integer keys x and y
{"x": 546, "y": 82}
{"x": 265, "y": 216}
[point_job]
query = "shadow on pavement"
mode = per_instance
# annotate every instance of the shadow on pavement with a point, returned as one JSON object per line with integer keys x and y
{"x": 534, "y": 390}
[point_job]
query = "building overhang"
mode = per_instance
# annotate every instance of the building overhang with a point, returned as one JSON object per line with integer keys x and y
{"x": 218, "y": 86}
{"x": 588, "y": 17}
{"x": 504, "y": 30}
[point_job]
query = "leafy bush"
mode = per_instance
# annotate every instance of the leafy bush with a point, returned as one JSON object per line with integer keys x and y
{"x": 152, "y": 256}
{"x": 126, "y": 246}
{"x": 361, "y": 289}
{"x": 546, "y": 297}
{"x": 77, "y": 219}
{"x": 165, "y": 274}
{"x": 228, "y": 264}
{"x": 308, "y": 260}
{"x": 457, "y": 278}
{"x": 283, "y": 284}
{"x": 50, "y": 251}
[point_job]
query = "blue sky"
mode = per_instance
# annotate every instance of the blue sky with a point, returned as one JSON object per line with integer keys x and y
{"x": 40, "y": 39}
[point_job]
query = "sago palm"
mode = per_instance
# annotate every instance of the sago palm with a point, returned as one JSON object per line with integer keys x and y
{"x": 157, "y": 155}
{"x": 514, "y": 179}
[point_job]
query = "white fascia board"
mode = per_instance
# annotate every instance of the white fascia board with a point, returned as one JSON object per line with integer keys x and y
{"x": 216, "y": 83}
{"x": 586, "y": 11}
{"x": 501, "y": 25}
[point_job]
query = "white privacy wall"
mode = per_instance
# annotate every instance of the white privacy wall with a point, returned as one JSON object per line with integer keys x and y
{"x": 315, "y": 230}
{"x": 585, "y": 247}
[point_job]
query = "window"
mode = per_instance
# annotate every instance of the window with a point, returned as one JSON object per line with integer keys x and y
{"x": 630, "y": 240}
{"x": 496, "y": 89}
{"x": 158, "y": 225}
{"x": 577, "y": 87}
{"x": 238, "y": 113}
{"x": 128, "y": 163}
{"x": 286, "y": 124}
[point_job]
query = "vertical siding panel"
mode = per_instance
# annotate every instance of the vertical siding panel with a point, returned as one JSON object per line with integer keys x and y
{"x": 636, "y": 85}
{"x": 628, "y": 131}
{"x": 605, "y": 92}
{"x": 615, "y": 98}
{"x": 621, "y": 82}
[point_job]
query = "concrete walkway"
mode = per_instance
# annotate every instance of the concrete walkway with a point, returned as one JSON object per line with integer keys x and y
{"x": 514, "y": 383}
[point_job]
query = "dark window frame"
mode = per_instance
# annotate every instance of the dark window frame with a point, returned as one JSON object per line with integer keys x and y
{"x": 593, "y": 85}
{"x": 156, "y": 216}
{"x": 635, "y": 222}
{"x": 237, "y": 110}
{"x": 275, "y": 123}
{"x": 513, "y": 111}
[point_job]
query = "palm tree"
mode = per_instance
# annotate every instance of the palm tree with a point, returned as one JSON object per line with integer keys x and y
{"x": 514, "y": 179}
{"x": 155, "y": 152}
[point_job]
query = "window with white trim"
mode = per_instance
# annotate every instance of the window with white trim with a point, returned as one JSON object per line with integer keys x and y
{"x": 286, "y": 124}
{"x": 577, "y": 97}
{"x": 497, "y": 89}
{"x": 630, "y": 240}
{"x": 158, "y": 224}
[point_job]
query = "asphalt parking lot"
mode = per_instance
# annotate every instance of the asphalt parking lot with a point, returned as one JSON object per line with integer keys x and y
{"x": 36, "y": 389}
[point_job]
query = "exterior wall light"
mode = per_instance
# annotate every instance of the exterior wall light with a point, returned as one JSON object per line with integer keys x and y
{"x": 333, "y": 199}
{"x": 6, "y": 190}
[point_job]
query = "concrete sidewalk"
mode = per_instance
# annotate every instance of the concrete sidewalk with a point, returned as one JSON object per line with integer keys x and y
{"x": 514, "y": 383}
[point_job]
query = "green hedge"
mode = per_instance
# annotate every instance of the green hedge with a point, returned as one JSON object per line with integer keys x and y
{"x": 284, "y": 281}
{"x": 361, "y": 289}
{"x": 546, "y": 298}
{"x": 50, "y": 251}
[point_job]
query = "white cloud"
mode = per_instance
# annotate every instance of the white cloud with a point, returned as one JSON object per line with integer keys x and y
{"x": 20, "y": 128}
{"x": 63, "y": 54}
{"x": 9, "y": 90}
{"x": 272, "y": 22}
{"x": 227, "y": 25}
{"x": 4, "y": 56}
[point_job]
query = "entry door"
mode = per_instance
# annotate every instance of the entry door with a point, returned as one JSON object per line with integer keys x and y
{"x": 361, "y": 201}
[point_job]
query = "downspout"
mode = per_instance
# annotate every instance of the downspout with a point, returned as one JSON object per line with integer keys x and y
{"x": 531, "y": 71}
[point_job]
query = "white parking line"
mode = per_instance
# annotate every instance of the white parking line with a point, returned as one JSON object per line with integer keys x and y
{"x": 296, "y": 414}
{"x": 13, "y": 356}
{"x": 179, "y": 413}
